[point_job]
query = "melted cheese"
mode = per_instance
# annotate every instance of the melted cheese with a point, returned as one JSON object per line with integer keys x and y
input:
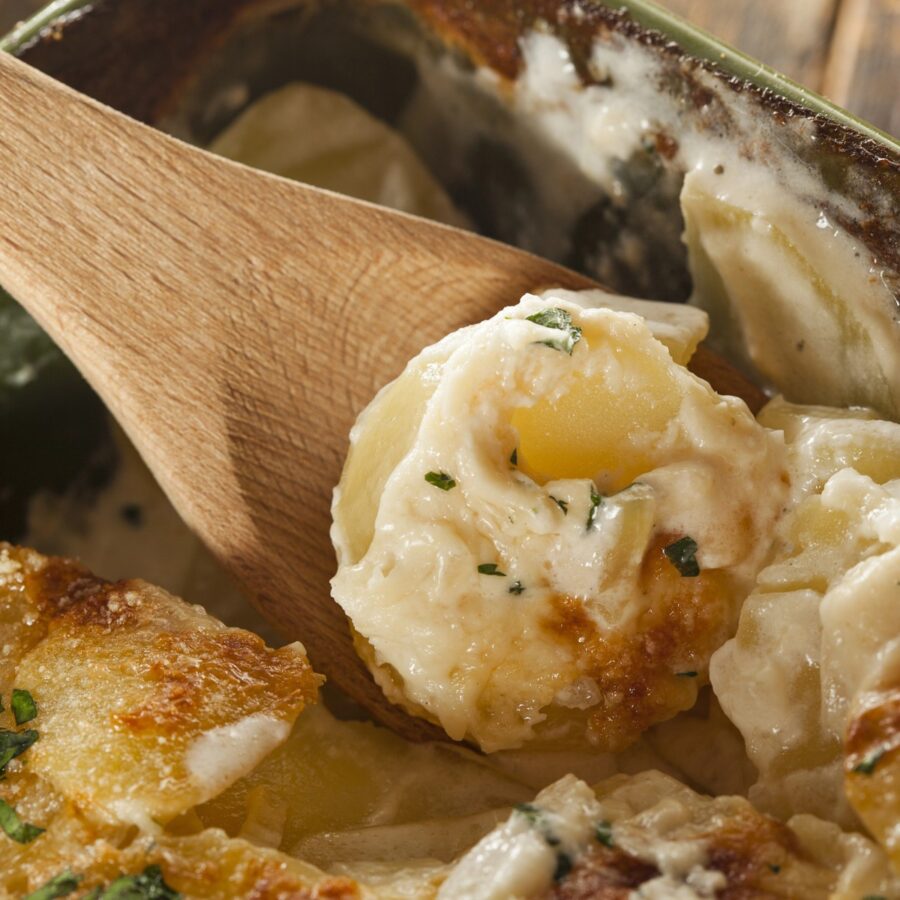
{"x": 822, "y": 625}
{"x": 577, "y": 613}
{"x": 147, "y": 706}
{"x": 647, "y": 836}
{"x": 793, "y": 295}
{"x": 788, "y": 288}
{"x": 220, "y": 756}
{"x": 522, "y": 854}
{"x": 679, "y": 327}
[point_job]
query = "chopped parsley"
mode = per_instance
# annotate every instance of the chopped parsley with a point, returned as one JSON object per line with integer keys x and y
{"x": 530, "y": 811}
{"x": 441, "y": 480}
{"x": 538, "y": 820}
{"x": 683, "y": 555}
{"x": 21, "y": 832}
{"x": 514, "y": 457}
{"x": 775, "y": 869}
{"x": 559, "y": 320}
{"x": 59, "y": 886}
{"x": 562, "y": 504}
{"x": 12, "y": 743}
{"x": 517, "y": 588}
{"x": 148, "y": 885}
{"x": 603, "y": 833}
{"x": 596, "y": 502}
{"x": 23, "y": 706}
{"x": 490, "y": 569}
{"x": 867, "y": 766}
{"x": 689, "y": 674}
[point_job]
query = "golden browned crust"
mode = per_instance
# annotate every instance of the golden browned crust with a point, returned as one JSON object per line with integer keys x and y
{"x": 206, "y": 865}
{"x": 129, "y": 681}
{"x": 684, "y": 621}
{"x": 269, "y": 680}
{"x": 147, "y": 705}
{"x": 758, "y": 856}
{"x": 872, "y": 767}
{"x": 603, "y": 874}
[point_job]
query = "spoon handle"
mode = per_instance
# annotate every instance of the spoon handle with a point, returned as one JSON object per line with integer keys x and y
{"x": 234, "y": 323}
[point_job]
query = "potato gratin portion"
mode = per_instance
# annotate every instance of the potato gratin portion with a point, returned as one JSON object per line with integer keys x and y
{"x": 166, "y": 714}
{"x": 546, "y": 525}
{"x": 812, "y": 677}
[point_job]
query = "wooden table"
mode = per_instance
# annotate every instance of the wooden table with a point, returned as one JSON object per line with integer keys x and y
{"x": 848, "y": 50}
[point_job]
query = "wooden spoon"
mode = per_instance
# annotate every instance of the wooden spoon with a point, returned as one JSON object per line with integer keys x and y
{"x": 235, "y": 324}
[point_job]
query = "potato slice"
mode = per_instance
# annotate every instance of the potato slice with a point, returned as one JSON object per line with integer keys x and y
{"x": 808, "y": 668}
{"x": 146, "y": 705}
{"x": 784, "y": 291}
{"x": 322, "y": 137}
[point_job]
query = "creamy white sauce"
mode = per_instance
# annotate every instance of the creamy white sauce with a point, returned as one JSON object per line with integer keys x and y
{"x": 218, "y": 757}
{"x": 517, "y": 859}
{"x": 786, "y": 277}
{"x": 823, "y": 624}
{"x": 471, "y": 646}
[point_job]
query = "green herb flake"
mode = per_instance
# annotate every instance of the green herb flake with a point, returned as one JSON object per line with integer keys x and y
{"x": 689, "y": 674}
{"x": 563, "y": 866}
{"x": 149, "y": 885}
{"x": 23, "y": 706}
{"x": 12, "y": 743}
{"x": 596, "y": 503}
{"x": 490, "y": 569}
{"x": 21, "y": 832}
{"x": 59, "y": 886}
{"x": 517, "y": 588}
{"x": 683, "y": 555}
{"x": 775, "y": 869}
{"x": 441, "y": 480}
{"x": 529, "y": 810}
{"x": 603, "y": 833}
{"x": 867, "y": 766}
{"x": 562, "y": 504}
{"x": 559, "y": 320}
{"x": 874, "y": 897}
{"x": 514, "y": 457}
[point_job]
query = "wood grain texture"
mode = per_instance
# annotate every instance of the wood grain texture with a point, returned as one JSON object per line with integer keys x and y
{"x": 789, "y": 36}
{"x": 235, "y": 323}
{"x": 863, "y": 67}
{"x": 848, "y": 50}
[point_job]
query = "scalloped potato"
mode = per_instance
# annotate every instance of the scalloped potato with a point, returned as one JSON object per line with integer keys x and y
{"x": 650, "y": 836}
{"x": 811, "y": 677}
{"x": 546, "y": 526}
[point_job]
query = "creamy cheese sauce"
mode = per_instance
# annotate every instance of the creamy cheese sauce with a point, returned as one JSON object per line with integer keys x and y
{"x": 219, "y": 756}
{"x": 823, "y": 621}
{"x": 564, "y": 477}
{"x": 788, "y": 289}
{"x": 540, "y": 840}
